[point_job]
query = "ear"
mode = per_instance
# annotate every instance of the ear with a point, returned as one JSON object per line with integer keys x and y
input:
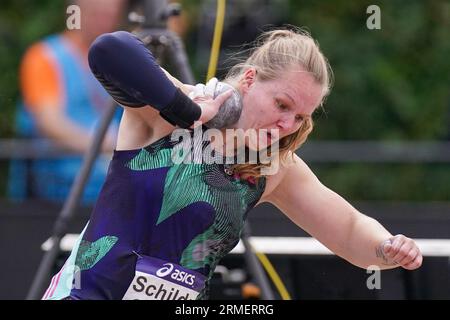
{"x": 248, "y": 79}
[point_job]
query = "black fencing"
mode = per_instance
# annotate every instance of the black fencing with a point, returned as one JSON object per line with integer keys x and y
{"x": 25, "y": 226}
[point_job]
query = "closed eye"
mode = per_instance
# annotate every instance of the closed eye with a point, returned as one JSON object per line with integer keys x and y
{"x": 284, "y": 107}
{"x": 281, "y": 106}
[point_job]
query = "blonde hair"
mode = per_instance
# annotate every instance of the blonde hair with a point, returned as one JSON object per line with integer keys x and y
{"x": 275, "y": 52}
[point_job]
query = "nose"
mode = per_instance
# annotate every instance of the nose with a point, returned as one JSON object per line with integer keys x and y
{"x": 287, "y": 124}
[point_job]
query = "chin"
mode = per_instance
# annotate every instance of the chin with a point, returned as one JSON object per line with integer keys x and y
{"x": 258, "y": 146}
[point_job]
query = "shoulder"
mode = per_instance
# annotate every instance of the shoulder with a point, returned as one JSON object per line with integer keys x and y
{"x": 38, "y": 54}
{"x": 39, "y": 77}
{"x": 140, "y": 127}
{"x": 293, "y": 170}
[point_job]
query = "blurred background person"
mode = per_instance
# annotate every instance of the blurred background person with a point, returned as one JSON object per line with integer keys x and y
{"x": 62, "y": 101}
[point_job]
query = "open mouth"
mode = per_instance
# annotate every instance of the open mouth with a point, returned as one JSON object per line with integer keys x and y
{"x": 271, "y": 137}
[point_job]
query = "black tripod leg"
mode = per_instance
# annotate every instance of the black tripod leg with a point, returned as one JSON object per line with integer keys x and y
{"x": 179, "y": 59}
{"x": 68, "y": 210}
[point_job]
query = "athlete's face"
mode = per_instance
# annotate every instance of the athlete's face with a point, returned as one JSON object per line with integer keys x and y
{"x": 280, "y": 104}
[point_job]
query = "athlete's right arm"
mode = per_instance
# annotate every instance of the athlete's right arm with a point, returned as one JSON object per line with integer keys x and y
{"x": 129, "y": 72}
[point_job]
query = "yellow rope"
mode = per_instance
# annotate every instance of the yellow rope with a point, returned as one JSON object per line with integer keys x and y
{"x": 218, "y": 30}
{"x": 273, "y": 276}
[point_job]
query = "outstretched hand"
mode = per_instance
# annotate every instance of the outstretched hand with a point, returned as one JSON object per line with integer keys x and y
{"x": 210, "y": 106}
{"x": 402, "y": 251}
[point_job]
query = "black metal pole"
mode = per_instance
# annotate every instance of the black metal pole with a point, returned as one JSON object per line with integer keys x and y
{"x": 254, "y": 266}
{"x": 70, "y": 205}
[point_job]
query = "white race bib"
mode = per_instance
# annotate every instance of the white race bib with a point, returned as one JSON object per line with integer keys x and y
{"x": 156, "y": 279}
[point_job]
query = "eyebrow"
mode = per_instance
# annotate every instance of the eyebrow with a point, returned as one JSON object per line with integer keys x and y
{"x": 294, "y": 104}
{"x": 293, "y": 101}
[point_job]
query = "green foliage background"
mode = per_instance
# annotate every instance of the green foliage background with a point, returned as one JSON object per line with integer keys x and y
{"x": 390, "y": 84}
{"x": 22, "y": 22}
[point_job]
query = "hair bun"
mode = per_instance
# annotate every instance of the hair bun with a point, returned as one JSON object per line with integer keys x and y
{"x": 276, "y": 34}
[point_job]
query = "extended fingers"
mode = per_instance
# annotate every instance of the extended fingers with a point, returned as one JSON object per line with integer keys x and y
{"x": 221, "y": 98}
{"x": 210, "y": 88}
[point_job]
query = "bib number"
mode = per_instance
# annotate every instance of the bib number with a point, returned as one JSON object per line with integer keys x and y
{"x": 156, "y": 279}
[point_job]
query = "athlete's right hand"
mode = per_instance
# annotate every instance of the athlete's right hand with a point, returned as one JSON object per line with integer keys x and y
{"x": 210, "y": 106}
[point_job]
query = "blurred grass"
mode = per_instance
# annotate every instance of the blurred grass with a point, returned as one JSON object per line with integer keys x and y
{"x": 387, "y": 182}
{"x": 390, "y": 84}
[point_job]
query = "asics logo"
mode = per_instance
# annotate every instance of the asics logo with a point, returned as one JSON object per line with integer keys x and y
{"x": 177, "y": 275}
{"x": 164, "y": 271}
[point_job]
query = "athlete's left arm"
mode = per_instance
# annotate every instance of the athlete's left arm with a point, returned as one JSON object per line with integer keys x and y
{"x": 329, "y": 218}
